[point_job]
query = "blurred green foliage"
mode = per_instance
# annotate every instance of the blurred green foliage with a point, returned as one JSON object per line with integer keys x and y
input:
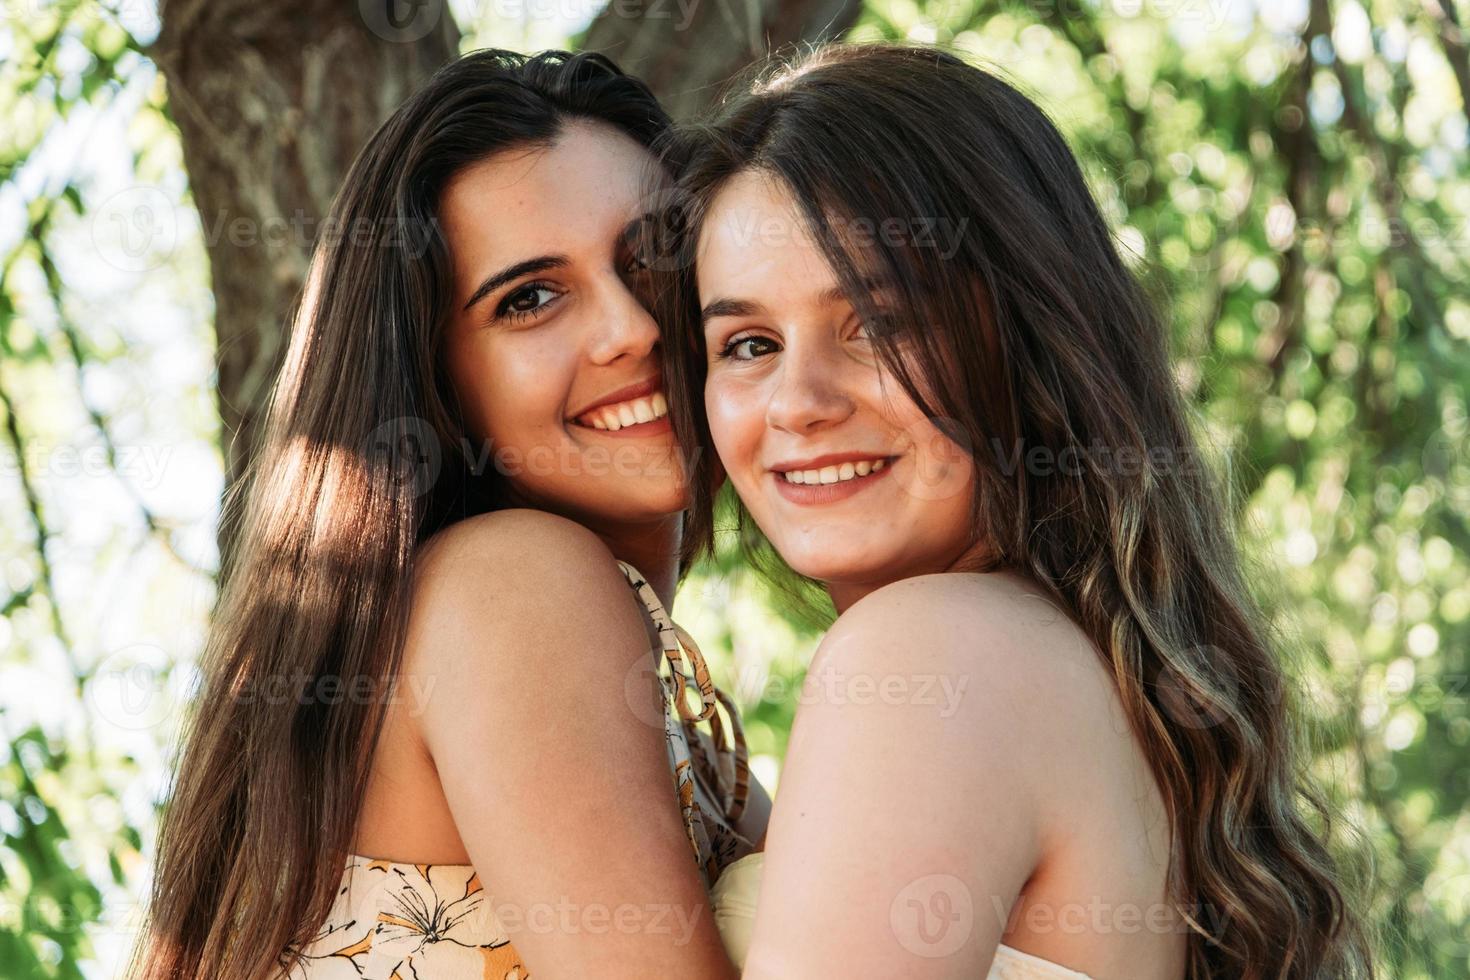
{"x": 1292, "y": 176}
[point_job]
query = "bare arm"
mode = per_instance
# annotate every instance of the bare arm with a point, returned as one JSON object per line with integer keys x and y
{"x": 527, "y": 634}
{"x": 908, "y": 818}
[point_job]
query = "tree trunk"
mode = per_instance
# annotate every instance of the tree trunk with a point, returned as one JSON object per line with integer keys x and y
{"x": 686, "y": 50}
{"x": 273, "y": 99}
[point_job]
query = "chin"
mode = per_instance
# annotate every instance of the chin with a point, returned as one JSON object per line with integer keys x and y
{"x": 838, "y": 565}
{"x": 650, "y": 504}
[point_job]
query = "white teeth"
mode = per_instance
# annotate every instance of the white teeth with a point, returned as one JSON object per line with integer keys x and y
{"x": 634, "y": 412}
{"x": 834, "y": 474}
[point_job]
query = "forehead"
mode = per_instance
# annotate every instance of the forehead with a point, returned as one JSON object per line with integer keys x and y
{"x": 754, "y": 241}
{"x": 566, "y": 197}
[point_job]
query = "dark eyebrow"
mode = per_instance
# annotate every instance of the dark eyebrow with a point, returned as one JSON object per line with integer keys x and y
{"x": 492, "y": 283}
{"x": 745, "y": 307}
{"x": 730, "y": 307}
{"x": 836, "y": 295}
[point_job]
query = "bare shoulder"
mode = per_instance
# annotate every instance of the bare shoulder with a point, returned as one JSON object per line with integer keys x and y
{"x": 988, "y": 624}
{"x": 1009, "y": 660}
{"x": 519, "y": 559}
{"x": 492, "y": 588}
{"x": 511, "y": 539}
{"x": 548, "y": 746}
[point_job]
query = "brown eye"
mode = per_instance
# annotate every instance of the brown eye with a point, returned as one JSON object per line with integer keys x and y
{"x": 526, "y": 301}
{"x": 733, "y": 350}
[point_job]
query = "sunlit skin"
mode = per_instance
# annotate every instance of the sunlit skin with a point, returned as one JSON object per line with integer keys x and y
{"x": 793, "y": 378}
{"x": 530, "y": 354}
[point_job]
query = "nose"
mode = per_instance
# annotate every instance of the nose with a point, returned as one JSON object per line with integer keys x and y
{"x": 625, "y": 328}
{"x": 810, "y": 393}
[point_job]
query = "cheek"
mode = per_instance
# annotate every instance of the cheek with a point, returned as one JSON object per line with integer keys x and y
{"x": 939, "y": 478}
{"x": 519, "y": 387}
{"x": 736, "y": 414}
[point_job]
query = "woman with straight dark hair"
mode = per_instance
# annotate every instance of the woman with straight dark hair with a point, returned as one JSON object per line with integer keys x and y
{"x": 1049, "y": 734}
{"x": 426, "y": 743}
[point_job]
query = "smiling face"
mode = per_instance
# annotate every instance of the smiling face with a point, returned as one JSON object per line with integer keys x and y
{"x": 838, "y": 466}
{"x": 551, "y": 352}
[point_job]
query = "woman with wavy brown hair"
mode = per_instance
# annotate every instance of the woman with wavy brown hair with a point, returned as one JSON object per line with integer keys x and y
{"x": 1049, "y": 734}
{"x": 426, "y": 742}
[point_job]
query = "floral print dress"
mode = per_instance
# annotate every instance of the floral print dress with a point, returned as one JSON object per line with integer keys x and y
{"x": 396, "y": 921}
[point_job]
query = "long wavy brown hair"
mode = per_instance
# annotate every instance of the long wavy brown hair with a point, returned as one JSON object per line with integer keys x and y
{"x": 364, "y": 457}
{"x": 1017, "y": 314}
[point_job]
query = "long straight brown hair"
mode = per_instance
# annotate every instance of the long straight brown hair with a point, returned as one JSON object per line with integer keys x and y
{"x": 364, "y": 457}
{"x": 1011, "y": 308}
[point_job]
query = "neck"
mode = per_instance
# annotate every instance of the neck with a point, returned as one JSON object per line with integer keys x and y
{"x": 652, "y": 548}
{"x": 974, "y": 557}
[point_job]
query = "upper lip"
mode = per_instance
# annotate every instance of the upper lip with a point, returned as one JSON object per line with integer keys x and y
{"x": 828, "y": 459}
{"x": 639, "y": 390}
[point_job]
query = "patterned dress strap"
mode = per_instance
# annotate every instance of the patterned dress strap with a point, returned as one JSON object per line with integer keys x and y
{"x": 692, "y": 673}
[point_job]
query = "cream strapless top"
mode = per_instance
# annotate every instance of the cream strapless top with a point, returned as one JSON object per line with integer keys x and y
{"x": 733, "y": 898}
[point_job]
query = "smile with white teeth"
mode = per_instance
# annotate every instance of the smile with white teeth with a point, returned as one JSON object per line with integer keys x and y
{"x": 835, "y": 474}
{"x": 634, "y": 411}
